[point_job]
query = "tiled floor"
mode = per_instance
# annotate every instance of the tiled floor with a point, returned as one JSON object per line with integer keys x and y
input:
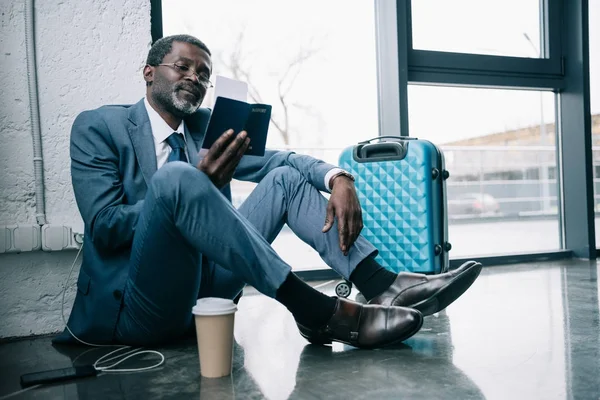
{"x": 521, "y": 332}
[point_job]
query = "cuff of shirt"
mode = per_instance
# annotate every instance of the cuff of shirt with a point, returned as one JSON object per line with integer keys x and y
{"x": 330, "y": 174}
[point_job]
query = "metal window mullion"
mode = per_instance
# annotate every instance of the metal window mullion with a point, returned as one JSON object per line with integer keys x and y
{"x": 156, "y": 20}
{"x": 404, "y": 32}
{"x": 483, "y": 63}
{"x": 559, "y": 176}
{"x": 575, "y": 142}
{"x": 545, "y": 24}
{"x": 552, "y": 42}
{"x": 483, "y": 80}
{"x": 391, "y": 69}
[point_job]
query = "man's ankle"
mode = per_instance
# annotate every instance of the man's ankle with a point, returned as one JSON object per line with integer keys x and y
{"x": 309, "y": 307}
{"x": 371, "y": 278}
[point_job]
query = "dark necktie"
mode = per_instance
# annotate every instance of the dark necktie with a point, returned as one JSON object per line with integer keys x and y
{"x": 177, "y": 148}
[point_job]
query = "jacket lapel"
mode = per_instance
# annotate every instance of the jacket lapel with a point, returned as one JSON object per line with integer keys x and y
{"x": 195, "y": 128}
{"x": 191, "y": 147}
{"x": 140, "y": 133}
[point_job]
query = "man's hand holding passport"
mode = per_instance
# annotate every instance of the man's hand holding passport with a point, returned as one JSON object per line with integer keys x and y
{"x": 240, "y": 116}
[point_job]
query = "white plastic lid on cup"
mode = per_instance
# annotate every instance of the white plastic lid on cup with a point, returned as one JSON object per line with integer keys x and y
{"x": 214, "y": 306}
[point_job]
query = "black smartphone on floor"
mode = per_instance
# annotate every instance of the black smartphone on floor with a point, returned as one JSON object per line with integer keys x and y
{"x": 57, "y": 375}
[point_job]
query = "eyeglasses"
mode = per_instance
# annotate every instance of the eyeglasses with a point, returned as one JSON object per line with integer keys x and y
{"x": 187, "y": 71}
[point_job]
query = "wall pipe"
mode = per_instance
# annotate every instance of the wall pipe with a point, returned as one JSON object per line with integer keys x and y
{"x": 34, "y": 107}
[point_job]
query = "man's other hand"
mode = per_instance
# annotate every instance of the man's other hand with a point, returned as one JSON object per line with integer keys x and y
{"x": 344, "y": 205}
{"x": 223, "y": 157}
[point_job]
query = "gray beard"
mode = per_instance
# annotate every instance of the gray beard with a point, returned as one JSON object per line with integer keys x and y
{"x": 175, "y": 105}
{"x": 184, "y": 107}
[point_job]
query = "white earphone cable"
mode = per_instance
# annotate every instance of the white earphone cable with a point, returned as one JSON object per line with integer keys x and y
{"x": 126, "y": 355}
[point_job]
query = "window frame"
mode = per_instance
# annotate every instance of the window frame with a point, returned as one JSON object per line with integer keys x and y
{"x": 458, "y": 68}
{"x": 564, "y": 70}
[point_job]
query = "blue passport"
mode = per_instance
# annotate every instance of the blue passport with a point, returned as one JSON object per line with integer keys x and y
{"x": 239, "y": 116}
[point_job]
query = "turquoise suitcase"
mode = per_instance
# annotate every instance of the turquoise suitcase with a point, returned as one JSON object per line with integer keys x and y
{"x": 401, "y": 185}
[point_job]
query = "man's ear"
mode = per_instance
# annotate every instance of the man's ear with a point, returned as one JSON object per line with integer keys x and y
{"x": 148, "y": 74}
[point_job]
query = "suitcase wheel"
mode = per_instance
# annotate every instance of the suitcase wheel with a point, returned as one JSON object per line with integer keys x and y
{"x": 447, "y": 246}
{"x": 343, "y": 289}
{"x": 437, "y": 249}
{"x": 445, "y": 174}
{"x": 435, "y": 173}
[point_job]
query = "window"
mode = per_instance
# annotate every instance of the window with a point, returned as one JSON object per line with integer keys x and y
{"x": 594, "y": 32}
{"x": 500, "y": 150}
{"x": 499, "y": 143}
{"x": 313, "y": 61}
{"x": 502, "y": 28}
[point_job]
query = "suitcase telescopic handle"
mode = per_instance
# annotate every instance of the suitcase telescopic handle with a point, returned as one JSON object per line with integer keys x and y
{"x": 388, "y": 137}
{"x": 383, "y": 151}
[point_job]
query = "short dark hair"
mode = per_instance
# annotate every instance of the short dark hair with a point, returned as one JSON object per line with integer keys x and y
{"x": 163, "y": 46}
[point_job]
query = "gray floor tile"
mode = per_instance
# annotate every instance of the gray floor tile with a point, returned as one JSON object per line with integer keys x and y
{"x": 521, "y": 332}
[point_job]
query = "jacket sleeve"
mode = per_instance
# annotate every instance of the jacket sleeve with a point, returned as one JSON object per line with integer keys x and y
{"x": 253, "y": 168}
{"x": 98, "y": 186}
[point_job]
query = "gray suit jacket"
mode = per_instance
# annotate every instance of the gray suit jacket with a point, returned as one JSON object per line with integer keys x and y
{"x": 112, "y": 162}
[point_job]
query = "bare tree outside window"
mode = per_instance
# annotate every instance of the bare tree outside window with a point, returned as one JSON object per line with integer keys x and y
{"x": 238, "y": 63}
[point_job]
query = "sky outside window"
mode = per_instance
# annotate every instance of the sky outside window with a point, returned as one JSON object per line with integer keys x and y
{"x": 334, "y": 95}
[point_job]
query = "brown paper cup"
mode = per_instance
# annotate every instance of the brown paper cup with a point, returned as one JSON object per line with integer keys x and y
{"x": 214, "y": 330}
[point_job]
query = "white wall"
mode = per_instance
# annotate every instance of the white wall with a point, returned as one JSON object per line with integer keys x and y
{"x": 89, "y": 53}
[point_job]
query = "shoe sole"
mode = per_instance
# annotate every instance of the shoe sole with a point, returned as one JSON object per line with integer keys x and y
{"x": 328, "y": 342}
{"x": 449, "y": 293}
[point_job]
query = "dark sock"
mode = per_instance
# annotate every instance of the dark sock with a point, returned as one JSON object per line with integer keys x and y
{"x": 309, "y": 307}
{"x": 371, "y": 278}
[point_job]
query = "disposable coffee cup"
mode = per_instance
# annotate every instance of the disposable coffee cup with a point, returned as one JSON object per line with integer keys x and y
{"x": 214, "y": 330}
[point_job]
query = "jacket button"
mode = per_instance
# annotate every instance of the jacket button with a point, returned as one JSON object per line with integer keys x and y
{"x": 117, "y": 294}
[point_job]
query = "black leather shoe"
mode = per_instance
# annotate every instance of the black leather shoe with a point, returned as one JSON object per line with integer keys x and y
{"x": 429, "y": 294}
{"x": 365, "y": 326}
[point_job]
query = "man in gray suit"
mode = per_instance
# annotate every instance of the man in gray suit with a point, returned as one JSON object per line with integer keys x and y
{"x": 160, "y": 230}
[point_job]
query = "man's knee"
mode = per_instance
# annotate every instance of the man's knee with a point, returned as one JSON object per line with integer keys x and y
{"x": 287, "y": 177}
{"x": 176, "y": 177}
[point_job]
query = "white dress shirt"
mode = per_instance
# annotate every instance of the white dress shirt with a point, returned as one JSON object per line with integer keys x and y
{"x": 161, "y": 131}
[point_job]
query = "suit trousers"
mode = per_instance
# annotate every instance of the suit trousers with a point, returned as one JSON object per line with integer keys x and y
{"x": 186, "y": 219}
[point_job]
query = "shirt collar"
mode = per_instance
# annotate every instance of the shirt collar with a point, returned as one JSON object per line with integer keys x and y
{"x": 160, "y": 129}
